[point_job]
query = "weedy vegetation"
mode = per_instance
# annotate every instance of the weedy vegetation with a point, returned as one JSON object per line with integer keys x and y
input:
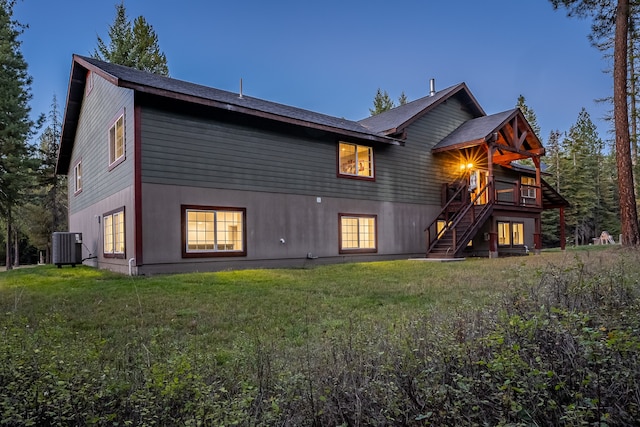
{"x": 539, "y": 340}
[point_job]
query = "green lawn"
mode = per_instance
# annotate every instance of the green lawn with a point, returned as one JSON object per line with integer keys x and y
{"x": 284, "y": 305}
{"x": 104, "y": 335}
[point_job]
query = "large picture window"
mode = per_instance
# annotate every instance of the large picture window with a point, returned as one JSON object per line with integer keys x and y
{"x": 117, "y": 141}
{"x": 510, "y": 233}
{"x": 358, "y": 233}
{"x": 213, "y": 231}
{"x": 114, "y": 236}
{"x": 355, "y": 160}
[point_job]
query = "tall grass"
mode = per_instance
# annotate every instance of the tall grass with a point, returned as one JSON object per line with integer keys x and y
{"x": 388, "y": 343}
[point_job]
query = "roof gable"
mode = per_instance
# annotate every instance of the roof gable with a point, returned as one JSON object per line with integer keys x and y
{"x": 508, "y": 131}
{"x": 394, "y": 121}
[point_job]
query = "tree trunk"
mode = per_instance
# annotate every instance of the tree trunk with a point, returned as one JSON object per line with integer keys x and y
{"x": 8, "y": 241}
{"x": 16, "y": 248}
{"x": 628, "y": 211}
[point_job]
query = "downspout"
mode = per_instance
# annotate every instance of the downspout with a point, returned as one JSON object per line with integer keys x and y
{"x": 131, "y": 260}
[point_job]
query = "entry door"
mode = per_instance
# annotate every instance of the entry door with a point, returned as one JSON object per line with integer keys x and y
{"x": 479, "y": 178}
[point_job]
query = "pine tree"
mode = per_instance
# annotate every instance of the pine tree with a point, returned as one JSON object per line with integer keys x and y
{"x": 47, "y": 211}
{"x": 381, "y": 103}
{"x": 551, "y": 218}
{"x": 402, "y": 99}
{"x": 133, "y": 46}
{"x": 121, "y": 40}
{"x": 16, "y": 162}
{"x": 581, "y": 178}
{"x": 529, "y": 114}
{"x": 146, "y": 53}
{"x": 614, "y": 18}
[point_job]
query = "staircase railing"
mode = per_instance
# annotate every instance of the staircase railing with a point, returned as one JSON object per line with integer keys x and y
{"x": 451, "y": 222}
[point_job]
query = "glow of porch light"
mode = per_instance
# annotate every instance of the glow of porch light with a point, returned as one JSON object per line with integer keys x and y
{"x": 466, "y": 166}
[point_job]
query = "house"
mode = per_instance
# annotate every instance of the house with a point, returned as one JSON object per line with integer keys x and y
{"x": 171, "y": 176}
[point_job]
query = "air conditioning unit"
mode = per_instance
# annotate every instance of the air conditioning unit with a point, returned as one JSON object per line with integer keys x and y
{"x": 67, "y": 249}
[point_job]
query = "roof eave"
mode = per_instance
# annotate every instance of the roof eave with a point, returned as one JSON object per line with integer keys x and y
{"x": 459, "y": 146}
{"x": 256, "y": 113}
{"x": 77, "y": 81}
{"x": 460, "y": 87}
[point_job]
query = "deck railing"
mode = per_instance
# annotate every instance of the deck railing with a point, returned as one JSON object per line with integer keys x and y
{"x": 452, "y": 213}
{"x": 514, "y": 193}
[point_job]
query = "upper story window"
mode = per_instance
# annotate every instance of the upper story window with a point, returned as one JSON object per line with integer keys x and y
{"x": 77, "y": 177}
{"x": 528, "y": 187}
{"x": 355, "y": 160}
{"x": 213, "y": 231}
{"x": 116, "y": 141}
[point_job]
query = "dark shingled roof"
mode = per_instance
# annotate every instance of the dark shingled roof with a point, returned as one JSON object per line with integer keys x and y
{"x": 395, "y": 120}
{"x": 172, "y": 88}
{"x": 474, "y": 130}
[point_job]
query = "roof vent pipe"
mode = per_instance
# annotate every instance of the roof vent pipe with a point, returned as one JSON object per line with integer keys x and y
{"x": 240, "y": 88}
{"x": 432, "y": 87}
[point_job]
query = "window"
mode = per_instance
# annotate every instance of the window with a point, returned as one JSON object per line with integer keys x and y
{"x": 504, "y": 234}
{"x": 528, "y": 187}
{"x": 355, "y": 160}
{"x": 358, "y": 233}
{"x": 517, "y": 233}
{"x": 77, "y": 178}
{"x": 116, "y": 141}
{"x": 113, "y": 223}
{"x": 510, "y": 234}
{"x": 213, "y": 231}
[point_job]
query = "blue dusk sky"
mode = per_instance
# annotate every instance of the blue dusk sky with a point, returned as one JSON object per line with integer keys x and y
{"x": 331, "y": 56}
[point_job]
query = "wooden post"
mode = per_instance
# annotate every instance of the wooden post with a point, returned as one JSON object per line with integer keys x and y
{"x": 537, "y": 237}
{"x": 490, "y": 149}
{"x": 493, "y": 239}
{"x": 536, "y": 161}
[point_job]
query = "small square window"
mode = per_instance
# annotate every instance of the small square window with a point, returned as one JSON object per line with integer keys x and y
{"x": 528, "y": 188}
{"x": 355, "y": 161}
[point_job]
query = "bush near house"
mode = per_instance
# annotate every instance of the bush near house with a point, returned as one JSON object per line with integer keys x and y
{"x": 545, "y": 340}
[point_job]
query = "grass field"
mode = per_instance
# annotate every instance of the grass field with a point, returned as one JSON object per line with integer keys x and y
{"x": 219, "y": 348}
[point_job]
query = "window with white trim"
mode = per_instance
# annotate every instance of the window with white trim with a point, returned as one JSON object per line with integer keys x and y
{"x": 114, "y": 236}
{"x": 116, "y": 141}
{"x": 77, "y": 178}
{"x": 213, "y": 231}
{"x": 355, "y": 160}
{"x": 528, "y": 187}
{"x": 358, "y": 233}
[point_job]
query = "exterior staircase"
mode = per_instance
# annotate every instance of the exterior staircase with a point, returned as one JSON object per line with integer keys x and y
{"x": 460, "y": 221}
